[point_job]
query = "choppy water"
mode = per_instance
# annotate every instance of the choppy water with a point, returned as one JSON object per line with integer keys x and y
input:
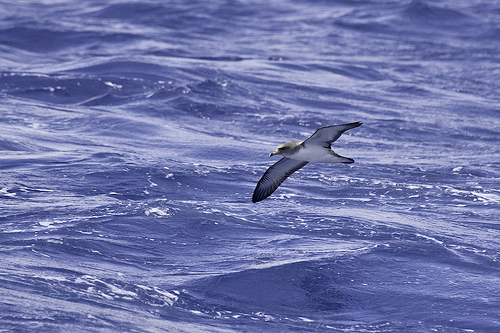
{"x": 132, "y": 135}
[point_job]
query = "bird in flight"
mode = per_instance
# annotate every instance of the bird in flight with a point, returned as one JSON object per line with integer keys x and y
{"x": 316, "y": 148}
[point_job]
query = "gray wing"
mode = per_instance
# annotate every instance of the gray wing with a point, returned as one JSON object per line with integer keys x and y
{"x": 274, "y": 176}
{"x": 324, "y": 136}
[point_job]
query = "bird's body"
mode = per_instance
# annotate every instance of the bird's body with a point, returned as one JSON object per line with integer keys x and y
{"x": 298, "y": 153}
{"x": 318, "y": 154}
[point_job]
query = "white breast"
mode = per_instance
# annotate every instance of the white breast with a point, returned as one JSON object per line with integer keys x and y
{"x": 314, "y": 154}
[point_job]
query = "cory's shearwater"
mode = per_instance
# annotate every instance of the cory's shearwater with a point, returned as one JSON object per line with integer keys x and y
{"x": 317, "y": 148}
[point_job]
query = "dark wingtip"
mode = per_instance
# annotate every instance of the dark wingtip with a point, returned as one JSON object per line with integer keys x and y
{"x": 256, "y": 198}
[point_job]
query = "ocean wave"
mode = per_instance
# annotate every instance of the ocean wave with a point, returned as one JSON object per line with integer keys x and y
{"x": 133, "y": 134}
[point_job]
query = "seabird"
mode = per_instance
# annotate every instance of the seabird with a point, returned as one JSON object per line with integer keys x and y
{"x": 316, "y": 148}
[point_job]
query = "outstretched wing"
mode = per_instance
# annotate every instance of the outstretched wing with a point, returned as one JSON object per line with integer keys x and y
{"x": 274, "y": 176}
{"x": 324, "y": 136}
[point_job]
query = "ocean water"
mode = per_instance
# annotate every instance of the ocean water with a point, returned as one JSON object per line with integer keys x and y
{"x": 132, "y": 135}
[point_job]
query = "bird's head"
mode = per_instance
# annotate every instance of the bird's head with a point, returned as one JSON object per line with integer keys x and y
{"x": 286, "y": 148}
{"x": 277, "y": 152}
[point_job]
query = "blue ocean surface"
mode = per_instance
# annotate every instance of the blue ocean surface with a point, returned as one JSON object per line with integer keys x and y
{"x": 133, "y": 133}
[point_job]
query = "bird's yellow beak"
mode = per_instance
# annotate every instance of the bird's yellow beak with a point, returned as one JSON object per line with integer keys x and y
{"x": 274, "y": 153}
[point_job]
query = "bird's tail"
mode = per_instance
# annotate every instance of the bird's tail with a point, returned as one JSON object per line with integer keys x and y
{"x": 341, "y": 159}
